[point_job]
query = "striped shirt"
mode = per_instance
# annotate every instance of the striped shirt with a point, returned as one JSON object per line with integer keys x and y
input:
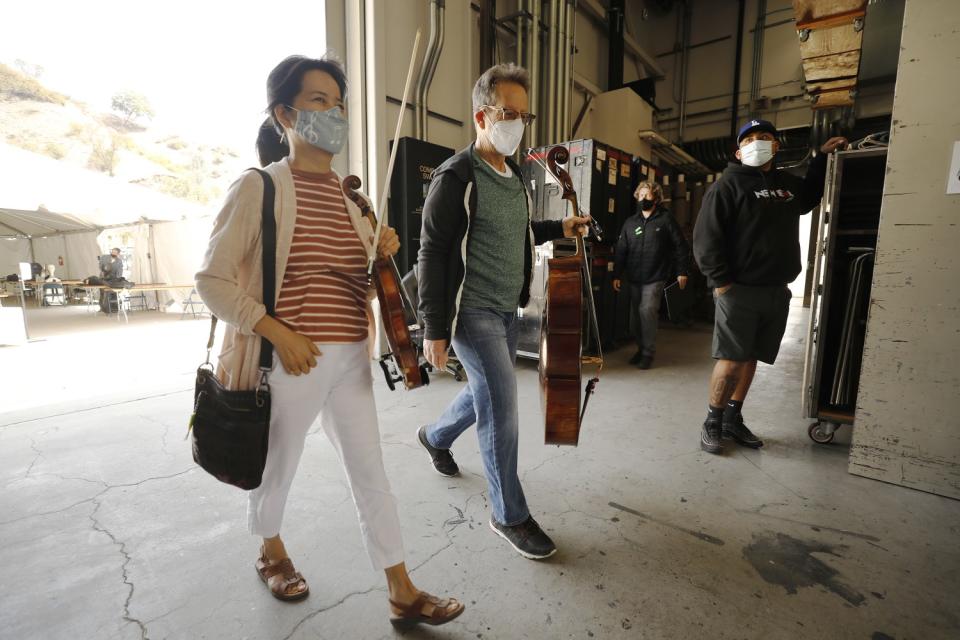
{"x": 323, "y": 294}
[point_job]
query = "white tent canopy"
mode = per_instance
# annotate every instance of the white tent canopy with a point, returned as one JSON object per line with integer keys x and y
{"x": 54, "y": 213}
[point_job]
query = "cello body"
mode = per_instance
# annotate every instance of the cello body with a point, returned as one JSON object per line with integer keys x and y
{"x": 561, "y": 352}
{"x": 567, "y": 308}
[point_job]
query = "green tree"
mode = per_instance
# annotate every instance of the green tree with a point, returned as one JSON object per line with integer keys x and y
{"x": 131, "y": 106}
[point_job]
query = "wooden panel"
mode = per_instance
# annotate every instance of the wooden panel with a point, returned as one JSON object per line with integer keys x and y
{"x": 831, "y": 67}
{"x": 831, "y": 85}
{"x": 818, "y": 14}
{"x": 834, "y": 40}
{"x": 832, "y": 99}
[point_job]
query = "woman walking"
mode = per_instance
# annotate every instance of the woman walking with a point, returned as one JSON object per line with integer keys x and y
{"x": 319, "y": 332}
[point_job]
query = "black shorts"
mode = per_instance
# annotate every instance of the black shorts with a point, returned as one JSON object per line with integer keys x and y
{"x": 749, "y": 322}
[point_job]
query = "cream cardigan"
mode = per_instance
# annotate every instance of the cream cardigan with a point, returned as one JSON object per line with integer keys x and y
{"x": 230, "y": 282}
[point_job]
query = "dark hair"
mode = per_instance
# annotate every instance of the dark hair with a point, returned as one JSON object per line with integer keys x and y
{"x": 283, "y": 85}
{"x": 117, "y": 249}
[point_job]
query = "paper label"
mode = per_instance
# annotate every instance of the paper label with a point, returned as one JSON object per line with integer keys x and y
{"x": 953, "y": 179}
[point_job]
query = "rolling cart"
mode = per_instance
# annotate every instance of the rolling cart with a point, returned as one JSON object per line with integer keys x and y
{"x": 840, "y": 297}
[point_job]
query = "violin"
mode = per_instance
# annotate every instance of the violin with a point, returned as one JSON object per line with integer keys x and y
{"x": 402, "y": 364}
{"x": 562, "y": 333}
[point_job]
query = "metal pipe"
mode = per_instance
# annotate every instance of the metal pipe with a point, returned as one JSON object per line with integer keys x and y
{"x": 535, "y": 84}
{"x": 488, "y": 34}
{"x": 420, "y": 121}
{"x": 550, "y": 100}
{"x": 432, "y": 68}
{"x": 615, "y": 38}
{"x": 562, "y": 63}
{"x": 757, "y": 66}
{"x": 684, "y": 66}
{"x": 735, "y": 112}
{"x": 523, "y": 57}
{"x": 568, "y": 69}
{"x": 521, "y": 40}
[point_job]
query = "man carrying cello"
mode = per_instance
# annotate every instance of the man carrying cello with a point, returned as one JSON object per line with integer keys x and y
{"x": 475, "y": 266}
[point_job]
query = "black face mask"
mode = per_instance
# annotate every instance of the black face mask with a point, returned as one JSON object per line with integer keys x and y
{"x": 647, "y": 205}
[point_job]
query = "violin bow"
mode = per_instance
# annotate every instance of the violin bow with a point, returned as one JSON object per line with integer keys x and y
{"x": 393, "y": 156}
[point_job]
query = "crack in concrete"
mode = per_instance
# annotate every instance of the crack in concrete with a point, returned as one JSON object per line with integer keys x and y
{"x": 395, "y": 443}
{"x": 96, "y": 408}
{"x": 55, "y": 511}
{"x": 745, "y": 457}
{"x": 317, "y": 612}
{"x": 544, "y": 462}
{"x": 123, "y": 568}
{"x": 433, "y": 555}
{"x": 164, "y": 435}
{"x": 36, "y": 450}
{"x": 106, "y": 488}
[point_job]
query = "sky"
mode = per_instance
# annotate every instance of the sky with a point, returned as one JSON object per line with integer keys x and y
{"x": 202, "y": 64}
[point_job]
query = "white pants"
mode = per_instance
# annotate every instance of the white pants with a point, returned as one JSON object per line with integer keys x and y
{"x": 340, "y": 390}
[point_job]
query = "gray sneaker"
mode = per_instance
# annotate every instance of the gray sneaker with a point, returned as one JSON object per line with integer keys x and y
{"x": 443, "y": 461}
{"x": 527, "y": 538}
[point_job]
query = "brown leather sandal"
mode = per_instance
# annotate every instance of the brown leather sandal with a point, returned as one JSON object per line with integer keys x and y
{"x": 279, "y": 577}
{"x": 443, "y": 611}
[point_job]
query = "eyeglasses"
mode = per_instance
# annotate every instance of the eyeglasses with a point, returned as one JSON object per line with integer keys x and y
{"x": 510, "y": 114}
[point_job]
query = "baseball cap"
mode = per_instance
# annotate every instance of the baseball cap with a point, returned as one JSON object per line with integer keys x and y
{"x": 755, "y": 125}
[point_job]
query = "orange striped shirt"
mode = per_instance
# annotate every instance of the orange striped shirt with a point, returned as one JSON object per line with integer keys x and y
{"x": 323, "y": 294}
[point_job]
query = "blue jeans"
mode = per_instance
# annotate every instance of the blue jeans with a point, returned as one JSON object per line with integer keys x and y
{"x": 486, "y": 345}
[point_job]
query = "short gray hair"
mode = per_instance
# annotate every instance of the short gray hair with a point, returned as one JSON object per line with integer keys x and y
{"x": 485, "y": 90}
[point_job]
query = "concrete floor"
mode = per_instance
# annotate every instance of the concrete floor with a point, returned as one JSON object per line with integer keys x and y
{"x": 108, "y": 530}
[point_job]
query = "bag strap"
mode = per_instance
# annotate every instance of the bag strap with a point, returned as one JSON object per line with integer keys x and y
{"x": 268, "y": 236}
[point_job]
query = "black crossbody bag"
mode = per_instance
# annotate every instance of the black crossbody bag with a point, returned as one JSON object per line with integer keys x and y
{"x": 230, "y": 429}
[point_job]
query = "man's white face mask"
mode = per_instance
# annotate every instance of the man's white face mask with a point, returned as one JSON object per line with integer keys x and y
{"x": 756, "y": 153}
{"x": 505, "y": 135}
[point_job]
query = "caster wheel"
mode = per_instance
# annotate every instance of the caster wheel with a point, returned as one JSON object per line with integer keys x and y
{"x": 818, "y": 434}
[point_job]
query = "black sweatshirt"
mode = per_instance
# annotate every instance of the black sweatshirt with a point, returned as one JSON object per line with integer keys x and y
{"x": 748, "y": 228}
{"x": 651, "y": 249}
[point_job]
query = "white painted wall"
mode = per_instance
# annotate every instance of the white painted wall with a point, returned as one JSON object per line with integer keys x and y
{"x": 907, "y": 428}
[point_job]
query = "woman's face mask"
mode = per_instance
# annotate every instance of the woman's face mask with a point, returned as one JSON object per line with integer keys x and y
{"x": 326, "y": 130}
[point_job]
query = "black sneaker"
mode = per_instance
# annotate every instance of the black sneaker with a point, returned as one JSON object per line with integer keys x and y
{"x": 443, "y": 462}
{"x": 637, "y": 357}
{"x": 645, "y": 362}
{"x": 710, "y": 436}
{"x": 527, "y": 538}
{"x": 739, "y": 432}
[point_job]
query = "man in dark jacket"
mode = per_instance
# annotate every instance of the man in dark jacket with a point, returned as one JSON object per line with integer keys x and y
{"x": 475, "y": 265}
{"x": 651, "y": 251}
{"x": 747, "y": 243}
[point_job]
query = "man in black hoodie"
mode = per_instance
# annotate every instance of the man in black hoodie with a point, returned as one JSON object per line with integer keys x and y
{"x": 747, "y": 243}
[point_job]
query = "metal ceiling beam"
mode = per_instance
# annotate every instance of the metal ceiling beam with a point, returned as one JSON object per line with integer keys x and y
{"x": 596, "y": 12}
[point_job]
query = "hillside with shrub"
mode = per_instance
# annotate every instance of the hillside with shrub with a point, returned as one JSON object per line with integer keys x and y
{"x": 120, "y": 143}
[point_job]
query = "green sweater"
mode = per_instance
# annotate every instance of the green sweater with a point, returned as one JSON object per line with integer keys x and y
{"x": 495, "y": 246}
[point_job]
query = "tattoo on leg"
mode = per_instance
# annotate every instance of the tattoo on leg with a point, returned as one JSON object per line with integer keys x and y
{"x": 722, "y": 389}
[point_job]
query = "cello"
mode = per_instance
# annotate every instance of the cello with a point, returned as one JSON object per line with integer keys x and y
{"x": 402, "y": 364}
{"x": 562, "y": 330}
